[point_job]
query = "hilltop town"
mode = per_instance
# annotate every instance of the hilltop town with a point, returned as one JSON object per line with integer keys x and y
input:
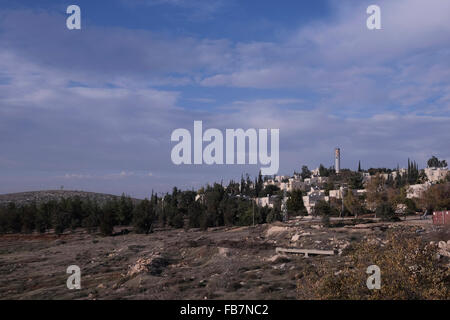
{"x": 343, "y": 189}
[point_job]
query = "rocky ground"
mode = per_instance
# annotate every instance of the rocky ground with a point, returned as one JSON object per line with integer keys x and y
{"x": 220, "y": 263}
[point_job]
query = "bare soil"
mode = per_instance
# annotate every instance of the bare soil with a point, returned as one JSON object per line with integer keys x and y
{"x": 220, "y": 263}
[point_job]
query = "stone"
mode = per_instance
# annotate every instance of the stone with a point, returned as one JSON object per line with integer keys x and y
{"x": 224, "y": 252}
{"x": 275, "y": 230}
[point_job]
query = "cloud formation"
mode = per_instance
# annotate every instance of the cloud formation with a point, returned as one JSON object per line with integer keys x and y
{"x": 94, "y": 109}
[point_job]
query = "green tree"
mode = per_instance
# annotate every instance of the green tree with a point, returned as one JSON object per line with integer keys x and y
{"x": 295, "y": 203}
{"x": 125, "y": 210}
{"x": 61, "y": 221}
{"x": 259, "y": 185}
{"x": 3, "y": 221}
{"x": 322, "y": 208}
{"x": 273, "y": 215}
{"x": 305, "y": 172}
{"x": 323, "y": 172}
{"x": 385, "y": 211}
{"x": 437, "y": 197}
{"x": 376, "y": 191}
{"x": 195, "y": 214}
{"x": 143, "y": 217}
{"x": 271, "y": 189}
{"x": 28, "y": 214}
{"x": 74, "y": 208}
{"x": 44, "y": 215}
{"x": 434, "y": 162}
{"x": 93, "y": 216}
{"x": 246, "y": 217}
{"x": 107, "y": 223}
{"x": 355, "y": 181}
{"x": 413, "y": 172}
{"x": 352, "y": 203}
{"x": 13, "y": 218}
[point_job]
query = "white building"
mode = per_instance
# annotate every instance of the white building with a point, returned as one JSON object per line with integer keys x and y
{"x": 436, "y": 174}
{"x": 416, "y": 190}
{"x": 200, "y": 197}
{"x": 266, "y": 201}
{"x": 341, "y": 192}
{"x": 315, "y": 180}
{"x": 338, "y": 194}
{"x": 312, "y": 198}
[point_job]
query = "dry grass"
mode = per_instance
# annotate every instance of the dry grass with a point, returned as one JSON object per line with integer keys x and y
{"x": 410, "y": 269}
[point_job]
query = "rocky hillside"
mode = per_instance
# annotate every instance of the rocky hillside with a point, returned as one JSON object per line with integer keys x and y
{"x": 22, "y": 198}
{"x": 218, "y": 263}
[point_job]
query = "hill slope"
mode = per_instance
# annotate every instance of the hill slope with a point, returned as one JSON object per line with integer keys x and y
{"x": 22, "y": 198}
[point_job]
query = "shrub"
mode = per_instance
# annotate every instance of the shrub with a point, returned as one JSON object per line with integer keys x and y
{"x": 143, "y": 217}
{"x": 322, "y": 208}
{"x": 61, "y": 221}
{"x": 107, "y": 223}
{"x": 274, "y": 215}
{"x": 195, "y": 212}
{"x": 385, "y": 212}
{"x": 326, "y": 220}
{"x": 177, "y": 221}
{"x": 409, "y": 268}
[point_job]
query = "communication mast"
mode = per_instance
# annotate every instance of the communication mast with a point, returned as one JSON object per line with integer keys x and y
{"x": 337, "y": 160}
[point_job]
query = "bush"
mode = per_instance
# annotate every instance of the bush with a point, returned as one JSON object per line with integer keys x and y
{"x": 177, "y": 221}
{"x": 195, "y": 212}
{"x": 326, "y": 220}
{"x": 61, "y": 221}
{"x": 322, "y": 208}
{"x": 246, "y": 218}
{"x": 436, "y": 197}
{"x": 274, "y": 215}
{"x": 143, "y": 217}
{"x": 409, "y": 268}
{"x": 125, "y": 210}
{"x": 107, "y": 223}
{"x": 385, "y": 212}
{"x": 92, "y": 221}
{"x": 295, "y": 204}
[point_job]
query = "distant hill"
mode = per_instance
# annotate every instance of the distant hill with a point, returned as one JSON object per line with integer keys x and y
{"x": 22, "y": 198}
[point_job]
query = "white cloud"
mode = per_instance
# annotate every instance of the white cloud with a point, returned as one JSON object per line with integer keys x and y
{"x": 97, "y": 116}
{"x": 405, "y": 64}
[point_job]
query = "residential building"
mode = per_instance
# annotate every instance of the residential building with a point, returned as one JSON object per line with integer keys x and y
{"x": 416, "y": 190}
{"x": 436, "y": 174}
{"x": 312, "y": 198}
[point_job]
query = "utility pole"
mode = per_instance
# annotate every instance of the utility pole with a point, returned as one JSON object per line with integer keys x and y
{"x": 284, "y": 206}
{"x": 253, "y": 213}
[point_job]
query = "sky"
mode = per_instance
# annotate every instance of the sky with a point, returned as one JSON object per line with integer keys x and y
{"x": 94, "y": 109}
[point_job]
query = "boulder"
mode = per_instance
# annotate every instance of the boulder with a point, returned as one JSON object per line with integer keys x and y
{"x": 275, "y": 230}
{"x": 224, "y": 252}
{"x": 279, "y": 258}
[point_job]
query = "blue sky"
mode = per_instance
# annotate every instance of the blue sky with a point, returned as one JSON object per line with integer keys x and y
{"x": 94, "y": 109}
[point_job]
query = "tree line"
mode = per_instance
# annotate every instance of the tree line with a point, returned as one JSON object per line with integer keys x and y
{"x": 217, "y": 205}
{"x": 232, "y": 205}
